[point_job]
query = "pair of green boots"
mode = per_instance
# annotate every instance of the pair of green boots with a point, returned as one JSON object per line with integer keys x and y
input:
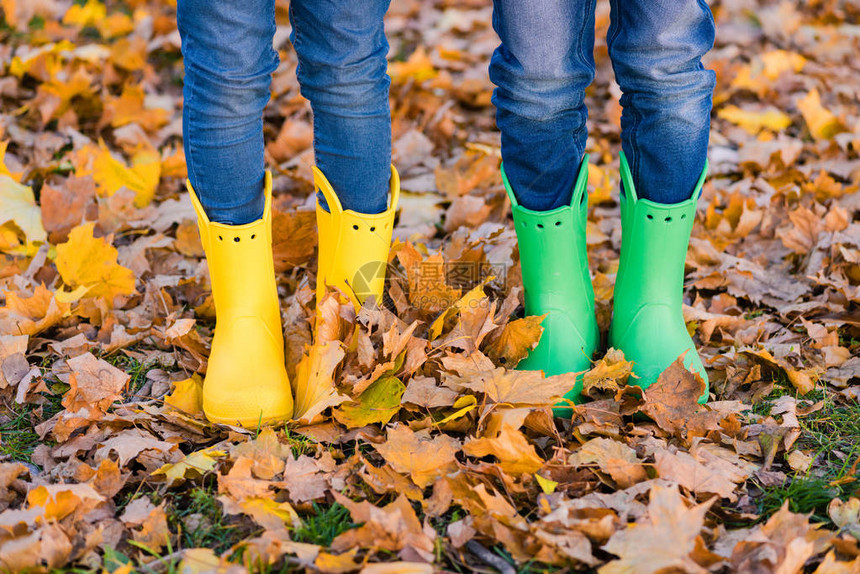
{"x": 647, "y": 320}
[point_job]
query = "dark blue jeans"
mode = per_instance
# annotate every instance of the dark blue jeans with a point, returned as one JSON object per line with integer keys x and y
{"x": 342, "y": 70}
{"x": 544, "y": 64}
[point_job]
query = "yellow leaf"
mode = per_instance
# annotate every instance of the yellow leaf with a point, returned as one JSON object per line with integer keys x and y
{"x": 821, "y": 122}
{"x": 313, "y": 386}
{"x": 270, "y": 514}
{"x": 60, "y": 500}
{"x": 546, "y": 485}
{"x": 777, "y": 62}
{"x": 193, "y": 465}
{"x": 463, "y": 405}
{"x": 187, "y": 396}
{"x": 89, "y": 14}
{"x": 754, "y": 122}
{"x": 31, "y": 315}
{"x": 18, "y": 204}
{"x": 4, "y": 169}
{"x": 117, "y": 24}
{"x": 142, "y": 177}
{"x": 130, "y": 107}
{"x": 85, "y": 260}
{"x": 63, "y": 91}
{"x": 418, "y": 67}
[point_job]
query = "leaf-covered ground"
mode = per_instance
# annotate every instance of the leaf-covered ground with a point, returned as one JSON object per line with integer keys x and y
{"x": 415, "y": 448}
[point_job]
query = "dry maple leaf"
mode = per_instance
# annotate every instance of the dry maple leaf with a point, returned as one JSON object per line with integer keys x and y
{"x": 783, "y": 544}
{"x": 672, "y": 401}
{"x": 93, "y": 383}
{"x": 516, "y": 455}
{"x": 663, "y": 541}
{"x": 614, "y": 458}
{"x": 516, "y": 388}
{"x": 147, "y": 522}
{"x": 682, "y": 468}
{"x": 313, "y": 386}
{"x": 423, "y": 458}
{"x": 91, "y": 263}
{"x": 394, "y": 528}
{"x": 31, "y": 315}
{"x": 515, "y": 341}
{"x": 267, "y": 455}
{"x": 17, "y": 204}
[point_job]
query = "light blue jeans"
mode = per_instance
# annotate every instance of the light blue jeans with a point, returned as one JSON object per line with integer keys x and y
{"x": 342, "y": 70}
{"x": 544, "y": 64}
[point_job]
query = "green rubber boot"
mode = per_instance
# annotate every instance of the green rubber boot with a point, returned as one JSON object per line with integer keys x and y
{"x": 557, "y": 283}
{"x": 647, "y": 319}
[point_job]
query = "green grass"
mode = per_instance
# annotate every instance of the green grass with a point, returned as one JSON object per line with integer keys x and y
{"x": 198, "y": 519}
{"x": 832, "y": 436}
{"x": 133, "y": 367}
{"x": 18, "y": 438}
{"x": 324, "y": 525}
{"x": 300, "y": 444}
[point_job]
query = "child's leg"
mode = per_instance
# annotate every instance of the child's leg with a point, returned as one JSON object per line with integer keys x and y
{"x": 541, "y": 70}
{"x": 656, "y": 49}
{"x": 342, "y": 51}
{"x": 229, "y": 60}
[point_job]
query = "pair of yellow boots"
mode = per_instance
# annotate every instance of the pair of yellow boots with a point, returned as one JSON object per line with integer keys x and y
{"x": 246, "y": 379}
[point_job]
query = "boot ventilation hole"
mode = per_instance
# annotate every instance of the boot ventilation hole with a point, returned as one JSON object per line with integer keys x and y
{"x": 220, "y": 238}
{"x": 668, "y": 218}
{"x": 373, "y": 229}
{"x": 355, "y": 227}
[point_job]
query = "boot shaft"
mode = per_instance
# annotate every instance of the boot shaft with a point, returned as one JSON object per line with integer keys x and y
{"x": 654, "y": 245}
{"x": 353, "y": 247}
{"x": 553, "y": 255}
{"x": 241, "y": 264}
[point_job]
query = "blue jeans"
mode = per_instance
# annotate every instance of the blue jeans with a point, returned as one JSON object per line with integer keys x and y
{"x": 342, "y": 70}
{"x": 544, "y": 64}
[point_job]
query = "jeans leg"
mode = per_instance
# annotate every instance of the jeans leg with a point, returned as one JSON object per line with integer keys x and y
{"x": 541, "y": 69}
{"x": 656, "y": 48}
{"x": 229, "y": 60}
{"x": 343, "y": 72}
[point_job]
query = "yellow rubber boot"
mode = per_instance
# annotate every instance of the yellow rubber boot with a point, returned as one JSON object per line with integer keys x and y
{"x": 246, "y": 382}
{"x": 353, "y": 247}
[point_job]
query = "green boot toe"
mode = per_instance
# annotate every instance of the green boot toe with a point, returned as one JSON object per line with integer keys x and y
{"x": 557, "y": 283}
{"x": 647, "y": 319}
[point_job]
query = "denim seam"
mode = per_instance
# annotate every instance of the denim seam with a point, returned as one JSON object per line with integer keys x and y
{"x": 585, "y": 22}
{"x": 189, "y": 78}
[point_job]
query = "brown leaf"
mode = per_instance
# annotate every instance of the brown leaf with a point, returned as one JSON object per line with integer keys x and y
{"x": 672, "y": 401}
{"x": 693, "y": 475}
{"x": 664, "y": 541}
{"x": 516, "y": 455}
{"x": 515, "y": 341}
{"x": 423, "y": 458}
{"x": 614, "y": 458}
{"x": 394, "y": 528}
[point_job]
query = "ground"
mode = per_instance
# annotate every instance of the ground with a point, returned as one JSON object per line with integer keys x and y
{"x": 414, "y": 445}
